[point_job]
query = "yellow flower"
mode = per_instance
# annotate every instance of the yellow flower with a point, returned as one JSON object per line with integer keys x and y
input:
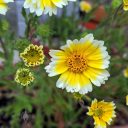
{"x": 126, "y": 72}
{"x": 80, "y": 64}
{"x": 125, "y": 2}
{"x": 33, "y": 55}
{"x": 85, "y": 6}
{"x": 3, "y": 6}
{"x": 102, "y": 112}
{"x": 24, "y": 76}
{"x": 45, "y": 6}
{"x": 127, "y": 100}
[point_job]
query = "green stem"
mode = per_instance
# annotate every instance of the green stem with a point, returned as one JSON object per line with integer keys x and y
{"x": 28, "y": 28}
{"x": 116, "y": 12}
{"x": 4, "y": 48}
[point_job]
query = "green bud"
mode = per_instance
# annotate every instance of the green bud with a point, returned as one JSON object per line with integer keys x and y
{"x": 5, "y": 25}
{"x": 21, "y": 44}
{"x": 43, "y": 30}
{"x": 116, "y": 3}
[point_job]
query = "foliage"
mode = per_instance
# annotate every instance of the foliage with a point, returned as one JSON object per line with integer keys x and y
{"x": 43, "y": 103}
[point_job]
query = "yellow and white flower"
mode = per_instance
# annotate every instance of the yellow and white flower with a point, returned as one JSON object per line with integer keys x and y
{"x": 102, "y": 112}
{"x": 3, "y": 6}
{"x": 80, "y": 64}
{"x": 24, "y": 76}
{"x": 33, "y": 55}
{"x": 126, "y": 72}
{"x": 85, "y": 6}
{"x": 125, "y": 2}
{"x": 45, "y": 6}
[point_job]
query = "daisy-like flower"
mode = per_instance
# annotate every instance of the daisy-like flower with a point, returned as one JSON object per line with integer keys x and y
{"x": 85, "y": 6}
{"x": 24, "y": 77}
{"x": 102, "y": 112}
{"x": 126, "y": 72}
{"x": 33, "y": 55}
{"x": 125, "y": 2}
{"x": 80, "y": 64}
{"x": 127, "y": 100}
{"x": 3, "y": 6}
{"x": 45, "y": 6}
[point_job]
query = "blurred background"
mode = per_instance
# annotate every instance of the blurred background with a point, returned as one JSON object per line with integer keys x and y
{"x": 42, "y": 105}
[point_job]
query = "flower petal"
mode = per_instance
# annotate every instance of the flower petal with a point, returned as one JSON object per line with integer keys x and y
{"x": 97, "y": 76}
{"x": 56, "y": 68}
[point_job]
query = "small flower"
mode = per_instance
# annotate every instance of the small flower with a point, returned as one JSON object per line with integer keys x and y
{"x": 85, "y": 6}
{"x": 45, "y": 6}
{"x": 126, "y": 72}
{"x": 80, "y": 64}
{"x": 3, "y": 6}
{"x": 102, "y": 112}
{"x": 33, "y": 55}
{"x": 24, "y": 76}
{"x": 125, "y": 2}
{"x": 127, "y": 100}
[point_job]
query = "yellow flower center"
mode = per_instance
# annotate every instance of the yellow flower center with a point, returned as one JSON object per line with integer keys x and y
{"x": 77, "y": 63}
{"x": 98, "y": 112}
{"x": 23, "y": 74}
{"x": 24, "y": 77}
{"x": 33, "y": 55}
